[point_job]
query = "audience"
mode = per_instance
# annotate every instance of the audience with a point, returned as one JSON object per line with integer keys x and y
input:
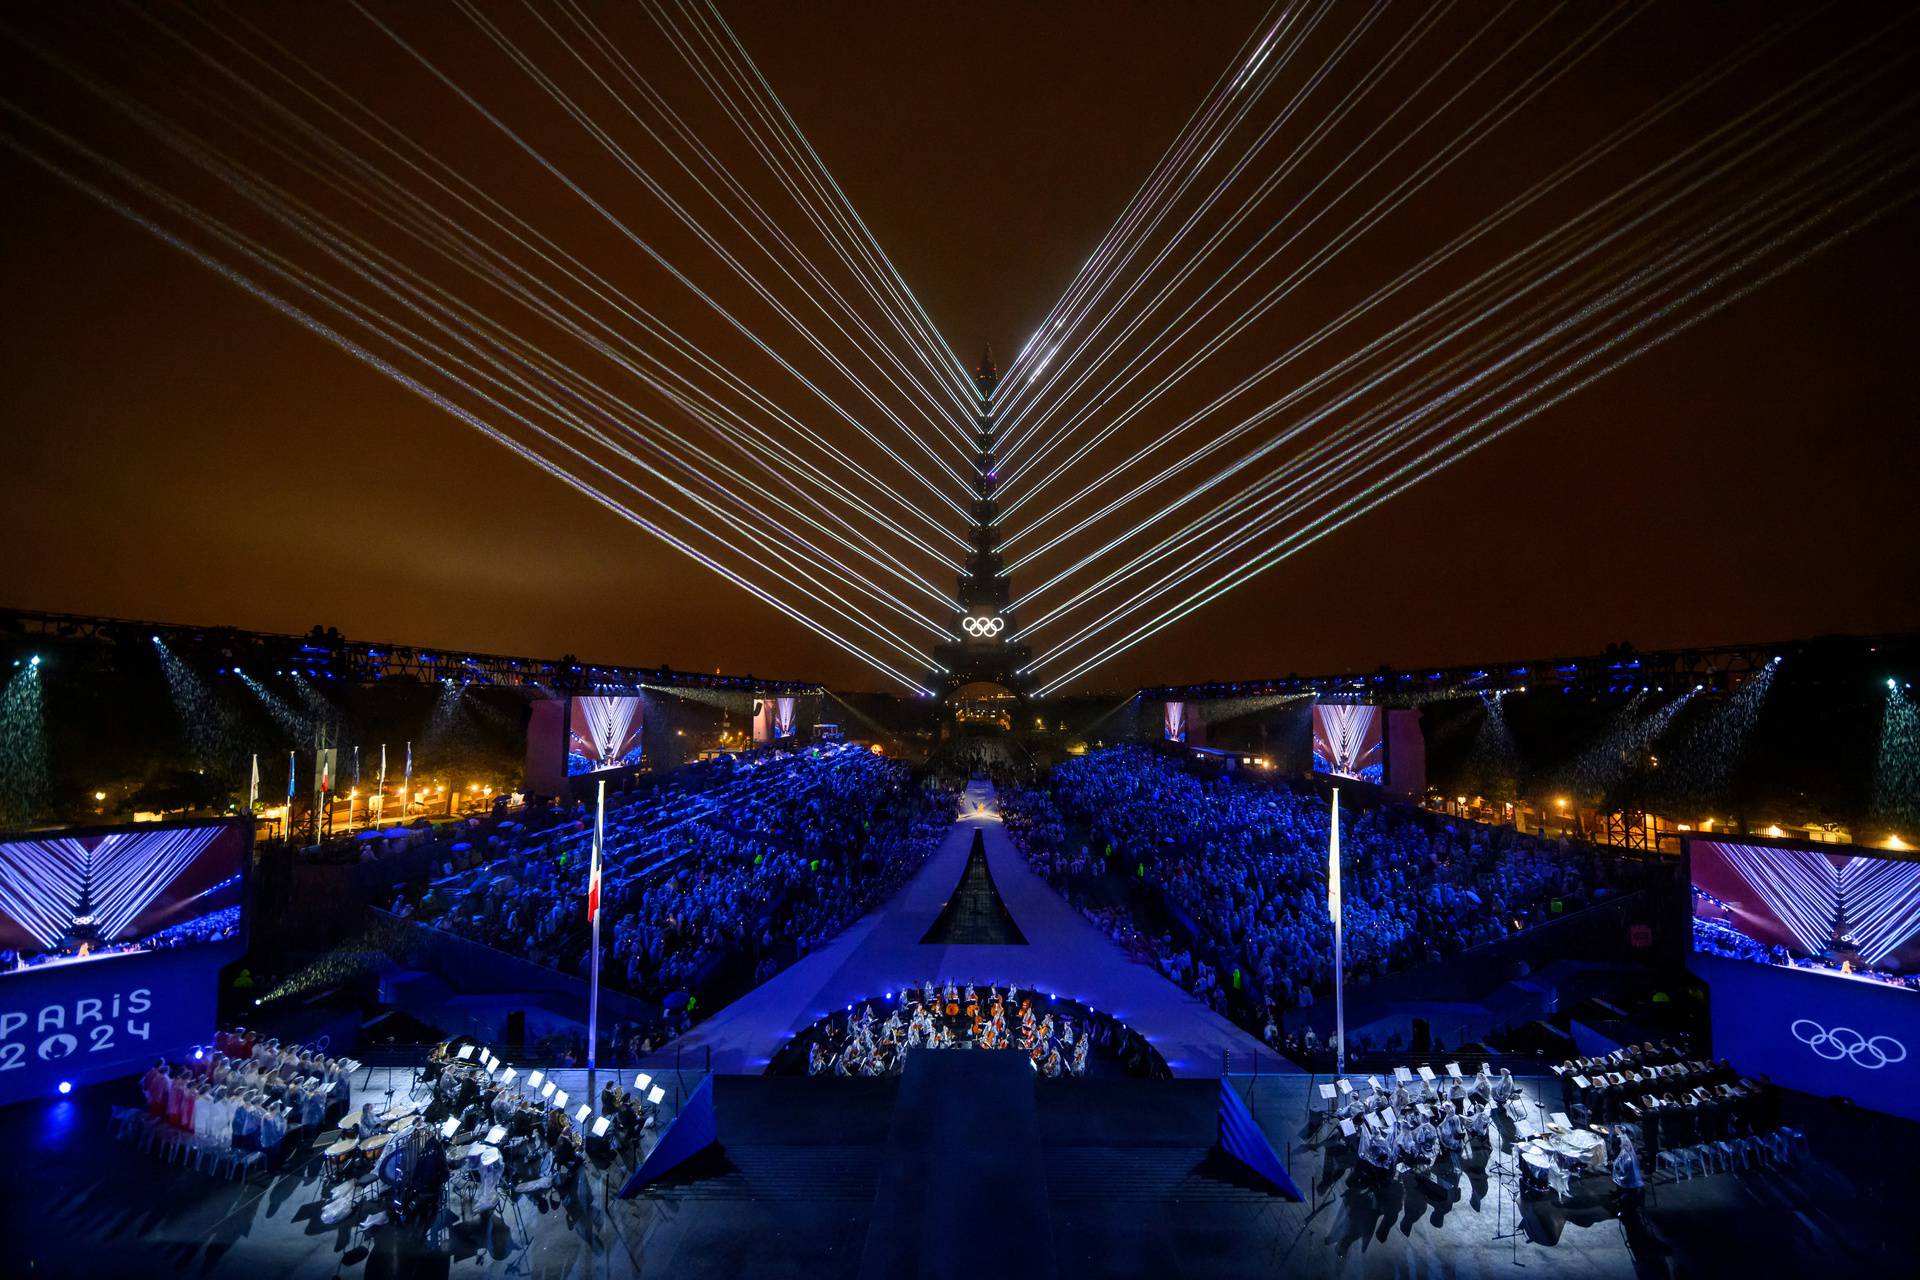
{"x": 1242, "y": 866}
{"x": 751, "y": 862}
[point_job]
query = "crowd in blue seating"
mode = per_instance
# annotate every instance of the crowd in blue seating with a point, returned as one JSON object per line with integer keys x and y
{"x": 748, "y": 861}
{"x": 1246, "y": 863}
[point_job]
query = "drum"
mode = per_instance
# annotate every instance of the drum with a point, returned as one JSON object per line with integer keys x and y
{"x": 1534, "y": 1163}
{"x": 373, "y": 1144}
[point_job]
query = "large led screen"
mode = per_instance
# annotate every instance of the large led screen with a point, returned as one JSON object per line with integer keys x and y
{"x": 1349, "y": 741}
{"x": 603, "y": 732}
{"x": 70, "y": 899}
{"x": 1847, "y": 914}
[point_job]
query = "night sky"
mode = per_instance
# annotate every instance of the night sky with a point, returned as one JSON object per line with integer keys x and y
{"x": 178, "y": 451}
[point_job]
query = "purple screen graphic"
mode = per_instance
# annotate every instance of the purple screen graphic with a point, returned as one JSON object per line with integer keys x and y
{"x": 88, "y": 897}
{"x": 1843, "y": 913}
{"x": 603, "y": 732}
{"x": 1349, "y": 741}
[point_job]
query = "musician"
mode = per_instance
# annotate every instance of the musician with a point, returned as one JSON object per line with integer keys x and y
{"x": 1405, "y": 1146}
{"x": 1376, "y": 1152}
{"x": 1426, "y": 1141}
{"x": 567, "y": 1158}
{"x": 1453, "y": 1131}
{"x": 475, "y": 1117}
{"x": 1478, "y": 1119}
{"x": 420, "y": 1178}
{"x": 1628, "y": 1181}
{"x": 156, "y": 1084}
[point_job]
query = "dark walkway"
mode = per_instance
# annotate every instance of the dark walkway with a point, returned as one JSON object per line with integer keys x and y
{"x": 976, "y": 915}
{"x": 964, "y": 1152}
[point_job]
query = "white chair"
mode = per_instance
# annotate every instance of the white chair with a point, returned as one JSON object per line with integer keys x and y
{"x": 1671, "y": 1160}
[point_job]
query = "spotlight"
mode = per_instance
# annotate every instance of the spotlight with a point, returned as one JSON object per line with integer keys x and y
{"x": 66, "y": 1087}
{"x": 34, "y": 661}
{"x": 198, "y": 1054}
{"x": 1891, "y": 683}
{"x": 155, "y": 639}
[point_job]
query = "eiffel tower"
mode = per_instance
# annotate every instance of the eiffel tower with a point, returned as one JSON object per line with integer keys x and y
{"x": 982, "y": 651}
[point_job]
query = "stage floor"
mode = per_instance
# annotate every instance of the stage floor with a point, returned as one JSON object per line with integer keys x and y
{"x": 1063, "y": 954}
{"x": 1116, "y": 1172}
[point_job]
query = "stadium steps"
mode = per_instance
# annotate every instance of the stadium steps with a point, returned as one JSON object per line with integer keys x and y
{"x": 782, "y": 1173}
{"x": 1136, "y": 1174}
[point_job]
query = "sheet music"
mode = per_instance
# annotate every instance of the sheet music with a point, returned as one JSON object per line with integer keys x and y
{"x": 1453, "y": 1069}
{"x": 1327, "y": 1092}
{"x": 1403, "y": 1075}
{"x": 1426, "y": 1073}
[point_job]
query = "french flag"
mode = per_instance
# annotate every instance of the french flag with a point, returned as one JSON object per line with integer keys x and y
{"x": 593, "y": 867}
{"x": 593, "y": 884}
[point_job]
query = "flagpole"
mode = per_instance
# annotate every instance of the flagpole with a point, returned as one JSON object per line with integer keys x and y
{"x": 1339, "y": 954}
{"x": 593, "y": 913}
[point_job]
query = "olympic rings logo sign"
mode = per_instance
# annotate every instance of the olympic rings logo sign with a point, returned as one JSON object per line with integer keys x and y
{"x": 982, "y": 627}
{"x": 1868, "y": 1052}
